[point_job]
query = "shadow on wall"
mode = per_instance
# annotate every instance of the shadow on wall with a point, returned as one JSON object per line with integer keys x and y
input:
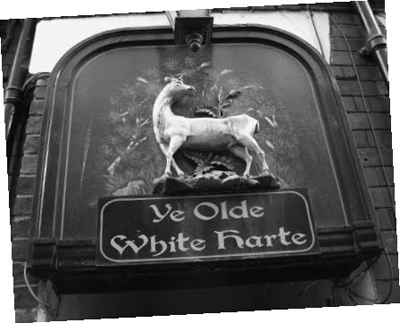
{"x": 195, "y": 301}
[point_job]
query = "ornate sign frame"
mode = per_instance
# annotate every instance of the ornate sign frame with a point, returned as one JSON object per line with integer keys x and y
{"x": 342, "y": 247}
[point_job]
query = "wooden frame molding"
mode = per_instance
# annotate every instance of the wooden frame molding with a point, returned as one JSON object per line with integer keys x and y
{"x": 71, "y": 263}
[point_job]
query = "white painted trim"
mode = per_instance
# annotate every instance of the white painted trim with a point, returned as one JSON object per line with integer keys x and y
{"x": 297, "y": 23}
{"x": 55, "y": 37}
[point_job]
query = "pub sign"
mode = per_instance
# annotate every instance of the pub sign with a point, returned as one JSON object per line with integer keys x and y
{"x": 225, "y": 226}
{"x": 154, "y": 154}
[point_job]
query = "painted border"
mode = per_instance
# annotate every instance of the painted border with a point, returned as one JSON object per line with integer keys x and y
{"x": 216, "y": 257}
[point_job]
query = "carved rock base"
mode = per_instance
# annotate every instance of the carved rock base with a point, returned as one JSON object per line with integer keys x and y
{"x": 217, "y": 181}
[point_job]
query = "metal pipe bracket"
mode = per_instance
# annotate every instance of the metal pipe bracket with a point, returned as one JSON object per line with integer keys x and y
{"x": 372, "y": 44}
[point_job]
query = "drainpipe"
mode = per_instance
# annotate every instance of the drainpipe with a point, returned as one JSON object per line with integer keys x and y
{"x": 376, "y": 44}
{"x": 13, "y": 95}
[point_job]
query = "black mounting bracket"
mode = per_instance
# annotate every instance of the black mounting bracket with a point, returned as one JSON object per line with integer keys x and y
{"x": 193, "y": 31}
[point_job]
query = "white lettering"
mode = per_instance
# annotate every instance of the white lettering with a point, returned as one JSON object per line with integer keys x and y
{"x": 207, "y": 211}
{"x": 116, "y": 246}
{"x": 269, "y": 238}
{"x": 224, "y": 212}
{"x": 181, "y": 242}
{"x": 202, "y": 216}
{"x": 175, "y": 215}
{"x": 158, "y": 213}
{"x": 221, "y": 238}
{"x": 257, "y": 242}
{"x": 153, "y": 246}
{"x": 282, "y": 236}
{"x": 256, "y": 212}
{"x": 296, "y": 238}
{"x": 198, "y": 244}
{"x": 242, "y": 209}
{"x": 226, "y": 239}
{"x": 128, "y": 243}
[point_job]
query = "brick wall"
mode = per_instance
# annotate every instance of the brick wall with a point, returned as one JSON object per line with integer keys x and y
{"x": 377, "y": 107}
{"x": 21, "y": 210}
{"x": 25, "y": 305}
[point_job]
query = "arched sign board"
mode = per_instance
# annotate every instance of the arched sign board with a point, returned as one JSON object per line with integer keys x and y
{"x": 99, "y": 158}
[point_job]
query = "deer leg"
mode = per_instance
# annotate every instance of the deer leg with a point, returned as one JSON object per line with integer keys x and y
{"x": 164, "y": 149}
{"x": 167, "y": 171}
{"x": 174, "y": 144}
{"x": 242, "y": 153}
{"x": 249, "y": 142}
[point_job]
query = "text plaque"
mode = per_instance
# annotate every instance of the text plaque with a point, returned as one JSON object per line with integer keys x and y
{"x": 144, "y": 230}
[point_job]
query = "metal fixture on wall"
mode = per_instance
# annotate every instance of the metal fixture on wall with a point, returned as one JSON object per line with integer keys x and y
{"x": 191, "y": 27}
{"x": 376, "y": 44}
{"x": 19, "y": 72}
{"x": 13, "y": 96}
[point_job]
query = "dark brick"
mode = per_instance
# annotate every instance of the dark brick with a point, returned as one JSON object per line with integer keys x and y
{"x": 40, "y": 92}
{"x": 23, "y": 298}
{"x": 382, "y": 88}
{"x": 382, "y": 268}
{"x": 376, "y": 176}
{"x": 385, "y": 175}
{"x": 345, "y": 18}
{"x": 383, "y": 289}
{"x": 370, "y": 88}
{"x": 36, "y": 108}
{"x": 389, "y": 241}
{"x": 20, "y": 227}
{"x": 381, "y": 197}
{"x": 362, "y": 104}
{"x": 376, "y": 104}
{"x": 348, "y": 87}
{"x": 42, "y": 81}
{"x": 384, "y": 219}
{"x": 358, "y": 103}
{"x": 379, "y": 104}
{"x": 360, "y": 121}
{"x": 349, "y": 104}
{"x": 344, "y": 72}
{"x": 370, "y": 157}
{"x": 370, "y": 73}
{"x": 29, "y": 164}
{"x": 31, "y": 144}
{"x": 348, "y": 31}
{"x": 391, "y": 212}
{"x": 22, "y": 205}
{"x": 380, "y": 138}
{"x": 34, "y": 125}
{"x": 20, "y": 249}
{"x": 340, "y": 44}
{"x": 18, "y": 273}
{"x": 371, "y": 176}
{"x": 343, "y": 58}
{"x": 26, "y": 185}
{"x": 25, "y": 315}
{"x": 360, "y": 138}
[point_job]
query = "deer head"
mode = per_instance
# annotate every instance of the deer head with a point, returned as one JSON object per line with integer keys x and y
{"x": 176, "y": 89}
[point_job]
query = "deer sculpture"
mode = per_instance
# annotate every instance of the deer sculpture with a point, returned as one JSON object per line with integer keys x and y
{"x": 173, "y": 132}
